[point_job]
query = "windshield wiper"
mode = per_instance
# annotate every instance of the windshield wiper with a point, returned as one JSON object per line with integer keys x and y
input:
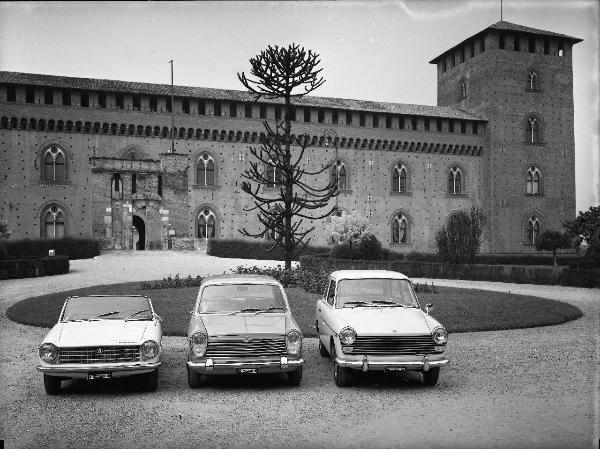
{"x": 269, "y": 309}
{"x": 104, "y": 314}
{"x": 358, "y": 303}
{"x": 391, "y": 303}
{"x": 246, "y": 311}
{"x": 136, "y": 313}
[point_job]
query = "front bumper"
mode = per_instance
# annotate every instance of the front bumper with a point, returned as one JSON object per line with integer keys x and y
{"x": 230, "y": 366}
{"x": 81, "y": 371}
{"x": 371, "y": 363}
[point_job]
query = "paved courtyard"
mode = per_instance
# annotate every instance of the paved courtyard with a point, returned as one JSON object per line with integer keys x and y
{"x": 519, "y": 388}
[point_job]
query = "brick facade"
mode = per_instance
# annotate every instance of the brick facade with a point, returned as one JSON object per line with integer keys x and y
{"x": 122, "y": 136}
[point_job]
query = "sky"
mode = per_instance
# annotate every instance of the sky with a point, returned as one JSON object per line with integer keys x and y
{"x": 376, "y": 50}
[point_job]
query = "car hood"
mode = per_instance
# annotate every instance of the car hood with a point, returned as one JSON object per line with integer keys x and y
{"x": 102, "y": 333}
{"x": 385, "y": 320}
{"x": 265, "y": 323}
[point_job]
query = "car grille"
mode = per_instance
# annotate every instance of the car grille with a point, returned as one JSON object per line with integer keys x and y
{"x": 257, "y": 347}
{"x": 401, "y": 345}
{"x": 99, "y": 354}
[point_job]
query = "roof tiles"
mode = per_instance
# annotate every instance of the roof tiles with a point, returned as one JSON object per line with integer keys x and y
{"x": 130, "y": 87}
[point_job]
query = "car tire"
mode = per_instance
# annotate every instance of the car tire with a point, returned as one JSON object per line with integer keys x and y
{"x": 295, "y": 377}
{"x": 150, "y": 382}
{"x": 195, "y": 380}
{"x": 430, "y": 378}
{"x": 341, "y": 374}
{"x": 52, "y": 384}
{"x": 322, "y": 349}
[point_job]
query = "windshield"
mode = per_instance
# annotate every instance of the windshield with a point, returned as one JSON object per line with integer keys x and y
{"x": 107, "y": 308}
{"x": 375, "y": 292}
{"x": 241, "y": 298}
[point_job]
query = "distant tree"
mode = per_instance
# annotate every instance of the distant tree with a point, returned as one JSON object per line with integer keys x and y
{"x": 460, "y": 240}
{"x": 4, "y": 232}
{"x": 551, "y": 241}
{"x": 369, "y": 247}
{"x": 284, "y": 73}
{"x": 348, "y": 229}
{"x": 585, "y": 227}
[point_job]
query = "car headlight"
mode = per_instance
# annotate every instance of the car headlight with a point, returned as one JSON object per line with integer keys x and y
{"x": 347, "y": 336}
{"x": 198, "y": 344}
{"x": 294, "y": 342}
{"x": 48, "y": 352}
{"x": 440, "y": 336}
{"x": 149, "y": 349}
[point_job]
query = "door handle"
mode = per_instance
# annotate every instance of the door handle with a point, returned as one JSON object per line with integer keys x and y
{"x": 319, "y": 310}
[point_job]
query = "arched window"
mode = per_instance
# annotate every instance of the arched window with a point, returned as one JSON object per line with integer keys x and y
{"x": 455, "y": 180}
{"x": 532, "y": 80}
{"x": 399, "y": 229}
{"x": 463, "y": 89}
{"x": 399, "y": 178}
{"x": 53, "y": 220}
{"x": 205, "y": 170}
{"x": 533, "y": 130}
{"x": 339, "y": 175}
{"x": 207, "y": 224}
{"x": 54, "y": 164}
{"x": 533, "y": 181}
{"x": 274, "y": 175}
{"x": 533, "y": 229}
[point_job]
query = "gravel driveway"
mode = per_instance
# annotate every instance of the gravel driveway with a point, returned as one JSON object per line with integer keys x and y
{"x": 527, "y": 388}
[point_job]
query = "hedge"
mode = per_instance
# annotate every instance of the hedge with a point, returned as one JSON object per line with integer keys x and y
{"x": 33, "y": 267}
{"x": 248, "y": 249}
{"x": 73, "y": 248}
{"x": 521, "y": 274}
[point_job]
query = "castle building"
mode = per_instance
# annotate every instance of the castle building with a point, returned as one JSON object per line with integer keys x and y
{"x": 94, "y": 158}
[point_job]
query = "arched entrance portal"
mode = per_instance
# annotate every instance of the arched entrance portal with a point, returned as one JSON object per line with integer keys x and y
{"x": 139, "y": 240}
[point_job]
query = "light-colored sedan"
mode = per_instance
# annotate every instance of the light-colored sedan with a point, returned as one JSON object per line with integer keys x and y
{"x": 242, "y": 325}
{"x": 370, "y": 320}
{"x": 101, "y": 337}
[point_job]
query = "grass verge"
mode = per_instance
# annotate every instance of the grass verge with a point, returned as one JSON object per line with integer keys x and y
{"x": 460, "y": 310}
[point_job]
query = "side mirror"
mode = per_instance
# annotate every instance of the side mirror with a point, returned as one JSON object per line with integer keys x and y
{"x": 428, "y": 308}
{"x": 157, "y": 317}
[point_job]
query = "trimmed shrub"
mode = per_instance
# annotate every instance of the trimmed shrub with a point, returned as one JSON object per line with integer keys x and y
{"x": 33, "y": 267}
{"x": 70, "y": 247}
{"x": 498, "y": 273}
{"x": 248, "y": 249}
{"x": 342, "y": 251}
{"x": 369, "y": 248}
{"x": 173, "y": 282}
{"x": 577, "y": 277}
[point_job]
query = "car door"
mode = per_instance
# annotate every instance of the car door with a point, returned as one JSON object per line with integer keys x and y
{"x": 324, "y": 313}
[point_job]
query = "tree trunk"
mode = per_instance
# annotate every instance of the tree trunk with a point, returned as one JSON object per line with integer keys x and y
{"x": 288, "y": 187}
{"x": 554, "y": 257}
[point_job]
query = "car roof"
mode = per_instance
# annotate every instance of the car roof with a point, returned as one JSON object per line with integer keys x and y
{"x": 366, "y": 274}
{"x": 239, "y": 279}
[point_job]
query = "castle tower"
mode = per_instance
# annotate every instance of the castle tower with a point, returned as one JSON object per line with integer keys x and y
{"x": 521, "y": 80}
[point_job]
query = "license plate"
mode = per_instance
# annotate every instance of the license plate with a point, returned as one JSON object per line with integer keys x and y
{"x": 94, "y": 376}
{"x": 396, "y": 369}
{"x": 247, "y": 371}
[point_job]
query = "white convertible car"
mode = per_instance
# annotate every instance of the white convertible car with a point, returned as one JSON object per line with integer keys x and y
{"x": 371, "y": 320}
{"x": 101, "y": 337}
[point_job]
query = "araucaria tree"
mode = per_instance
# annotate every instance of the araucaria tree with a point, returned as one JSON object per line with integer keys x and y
{"x": 284, "y": 73}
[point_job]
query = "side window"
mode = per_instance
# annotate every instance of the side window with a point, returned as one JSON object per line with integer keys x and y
{"x": 331, "y": 292}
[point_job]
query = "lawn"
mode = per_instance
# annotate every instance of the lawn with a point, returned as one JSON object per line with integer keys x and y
{"x": 460, "y": 310}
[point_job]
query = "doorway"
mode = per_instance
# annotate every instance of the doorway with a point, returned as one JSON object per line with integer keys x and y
{"x": 140, "y": 227}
